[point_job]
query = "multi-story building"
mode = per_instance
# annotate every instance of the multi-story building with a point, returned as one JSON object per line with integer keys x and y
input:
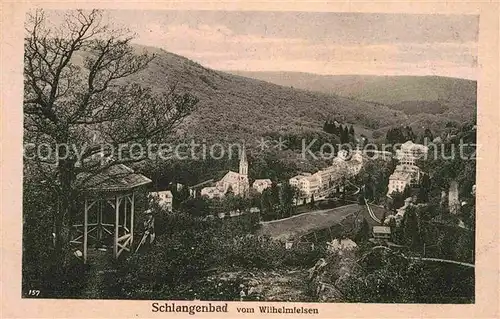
{"x": 330, "y": 176}
{"x": 413, "y": 170}
{"x": 398, "y": 181}
{"x": 164, "y": 198}
{"x": 407, "y": 156}
{"x": 308, "y": 184}
{"x": 261, "y": 184}
{"x": 294, "y": 181}
{"x": 410, "y": 152}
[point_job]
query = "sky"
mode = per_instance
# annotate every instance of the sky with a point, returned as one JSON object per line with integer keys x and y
{"x": 321, "y": 43}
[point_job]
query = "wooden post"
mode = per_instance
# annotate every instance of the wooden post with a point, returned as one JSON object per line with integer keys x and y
{"x": 125, "y": 213}
{"x": 85, "y": 230}
{"x": 132, "y": 205}
{"x": 117, "y": 220}
{"x": 99, "y": 221}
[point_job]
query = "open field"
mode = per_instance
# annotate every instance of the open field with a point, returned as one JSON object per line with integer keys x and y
{"x": 302, "y": 224}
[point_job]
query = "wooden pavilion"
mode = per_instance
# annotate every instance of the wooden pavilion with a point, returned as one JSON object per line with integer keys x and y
{"x": 108, "y": 212}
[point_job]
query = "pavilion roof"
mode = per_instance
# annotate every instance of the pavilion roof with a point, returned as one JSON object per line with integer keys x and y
{"x": 115, "y": 178}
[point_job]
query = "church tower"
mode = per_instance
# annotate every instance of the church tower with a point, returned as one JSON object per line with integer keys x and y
{"x": 243, "y": 163}
{"x": 243, "y": 184}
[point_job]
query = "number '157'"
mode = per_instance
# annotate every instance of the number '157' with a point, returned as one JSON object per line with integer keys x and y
{"x": 33, "y": 292}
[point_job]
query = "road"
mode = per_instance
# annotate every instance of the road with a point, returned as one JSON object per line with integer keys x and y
{"x": 443, "y": 261}
{"x": 370, "y": 212}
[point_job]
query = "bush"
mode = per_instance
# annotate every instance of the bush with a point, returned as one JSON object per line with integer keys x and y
{"x": 303, "y": 256}
{"x": 167, "y": 267}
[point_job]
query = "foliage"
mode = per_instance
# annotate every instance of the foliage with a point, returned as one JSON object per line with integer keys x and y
{"x": 182, "y": 257}
{"x": 424, "y": 189}
{"x": 197, "y": 207}
{"x": 398, "y": 200}
{"x": 363, "y": 233}
{"x": 311, "y": 203}
{"x": 411, "y": 229}
{"x": 84, "y": 108}
{"x": 278, "y": 201}
{"x": 375, "y": 176}
{"x": 453, "y": 160}
{"x": 398, "y": 135}
{"x": 385, "y": 276}
{"x": 40, "y": 268}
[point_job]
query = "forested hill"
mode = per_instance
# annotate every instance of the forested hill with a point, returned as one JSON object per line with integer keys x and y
{"x": 381, "y": 89}
{"x": 233, "y": 107}
{"x": 429, "y": 101}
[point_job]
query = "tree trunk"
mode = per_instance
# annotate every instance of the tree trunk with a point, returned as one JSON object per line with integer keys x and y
{"x": 67, "y": 207}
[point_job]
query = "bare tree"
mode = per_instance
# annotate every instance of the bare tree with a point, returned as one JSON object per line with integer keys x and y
{"x": 78, "y": 96}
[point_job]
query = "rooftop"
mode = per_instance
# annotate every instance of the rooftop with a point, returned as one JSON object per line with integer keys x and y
{"x": 299, "y": 177}
{"x": 115, "y": 178}
{"x": 159, "y": 193}
{"x": 399, "y": 175}
{"x": 382, "y": 229}
{"x": 409, "y": 145}
{"x": 311, "y": 178}
{"x": 231, "y": 176}
{"x": 265, "y": 180}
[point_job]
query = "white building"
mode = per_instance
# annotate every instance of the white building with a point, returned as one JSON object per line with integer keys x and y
{"x": 236, "y": 182}
{"x": 413, "y": 170}
{"x": 164, "y": 198}
{"x": 261, "y": 184}
{"x": 211, "y": 192}
{"x": 342, "y": 155}
{"x": 355, "y": 164}
{"x": 453, "y": 201}
{"x": 308, "y": 184}
{"x": 340, "y": 246}
{"x": 410, "y": 152}
{"x": 294, "y": 181}
{"x": 398, "y": 181}
{"x": 328, "y": 177}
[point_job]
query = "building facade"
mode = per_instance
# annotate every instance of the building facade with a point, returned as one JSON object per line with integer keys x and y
{"x": 261, "y": 184}
{"x": 398, "y": 181}
{"x": 410, "y": 152}
{"x": 312, "y": 184}
{"x": 382, "y": 233}
{"x": 235, "y": 182}
{"x": 165, "y": 199}
{"x": 307, "y": 184}
{"x": 413, "y": 170}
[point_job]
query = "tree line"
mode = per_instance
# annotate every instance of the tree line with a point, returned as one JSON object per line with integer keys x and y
{"x": 345, "y": 133}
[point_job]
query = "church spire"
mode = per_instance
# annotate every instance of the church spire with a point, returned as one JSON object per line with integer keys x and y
{"x": 243, "y": 162}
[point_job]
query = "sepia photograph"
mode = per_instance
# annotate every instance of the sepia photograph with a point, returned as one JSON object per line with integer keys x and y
{"x": 270, "y": 156}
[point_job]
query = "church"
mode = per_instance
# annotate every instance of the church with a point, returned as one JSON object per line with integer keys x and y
{"x": 235, "y": 182}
